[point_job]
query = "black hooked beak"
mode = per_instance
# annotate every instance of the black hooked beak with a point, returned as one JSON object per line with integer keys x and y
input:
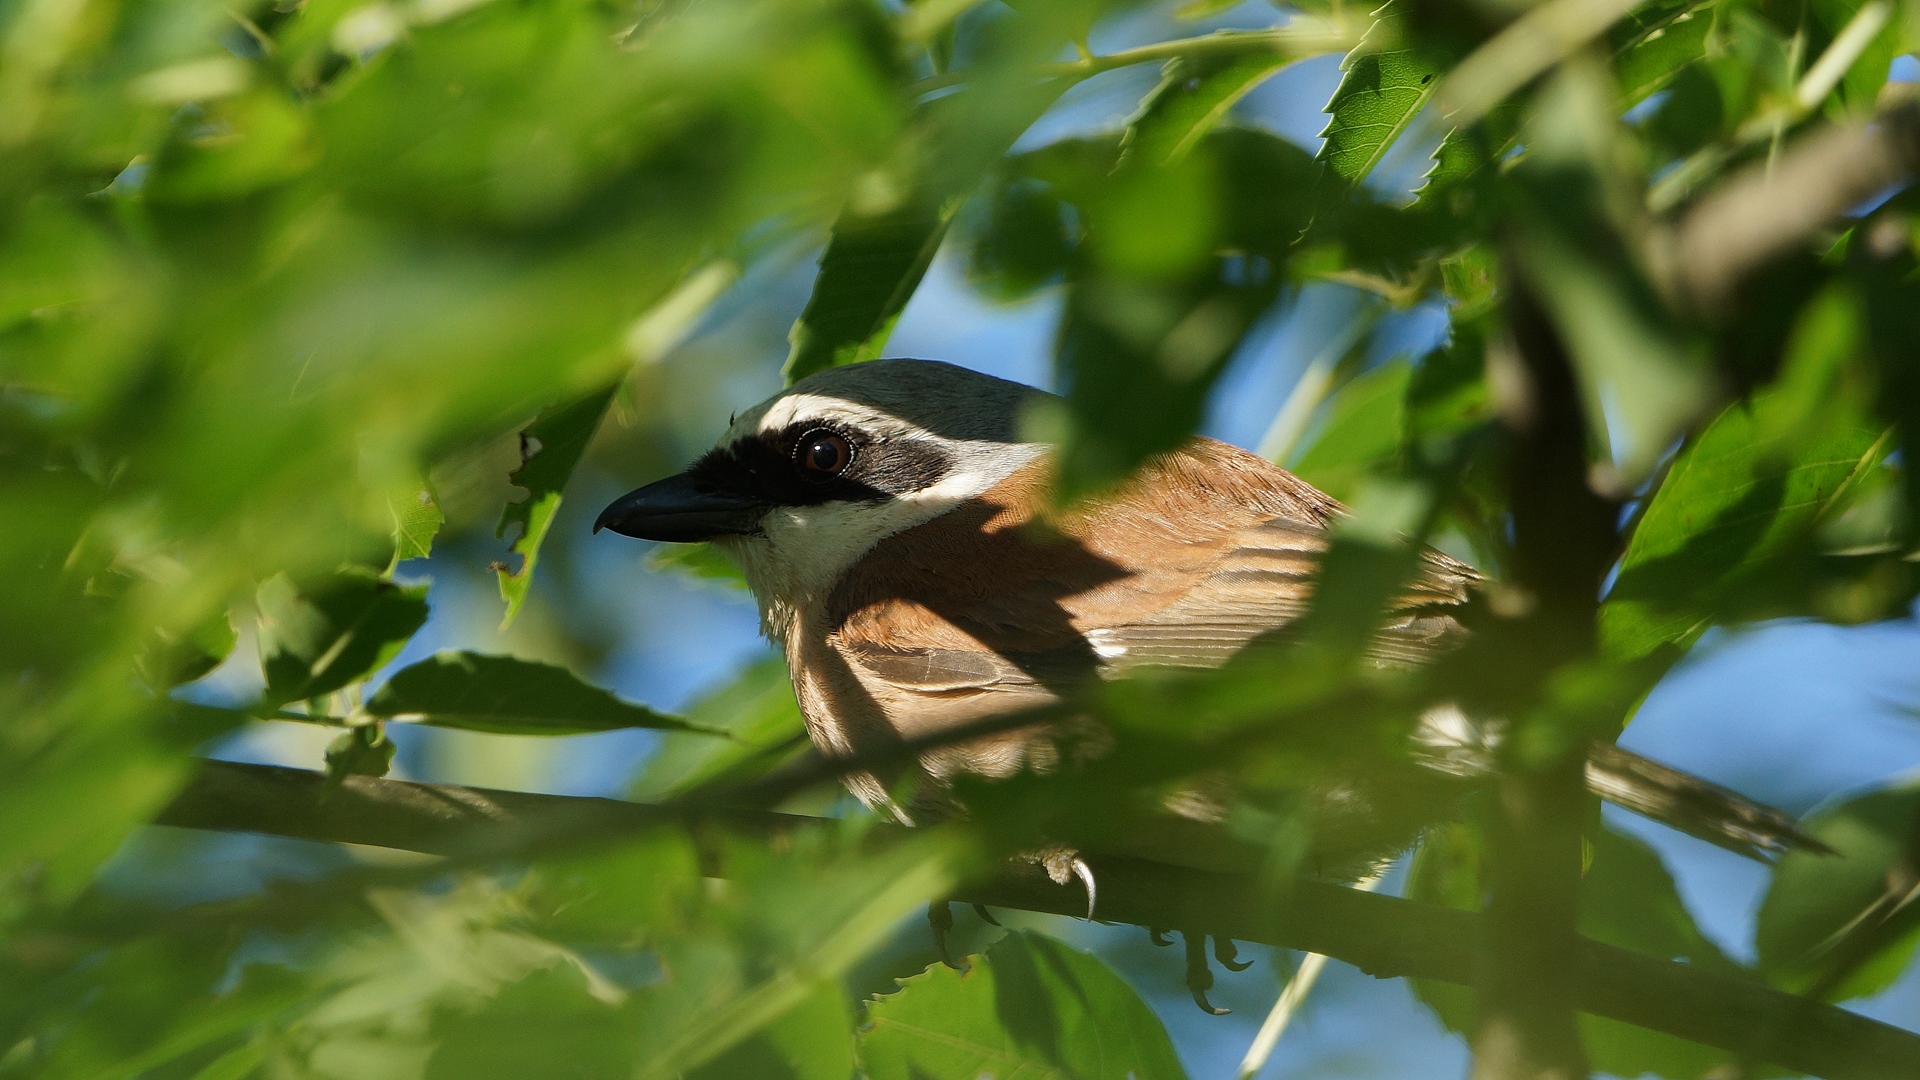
{"x": 681, "y": 510}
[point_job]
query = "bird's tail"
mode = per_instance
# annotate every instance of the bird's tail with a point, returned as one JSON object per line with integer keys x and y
{"x": 1694, "y": 806}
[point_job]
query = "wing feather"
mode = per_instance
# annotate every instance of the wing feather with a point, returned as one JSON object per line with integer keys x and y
{"x": 1000, "y": 604}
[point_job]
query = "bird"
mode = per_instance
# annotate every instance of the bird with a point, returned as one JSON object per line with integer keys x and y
{"x": 902, "y": 541}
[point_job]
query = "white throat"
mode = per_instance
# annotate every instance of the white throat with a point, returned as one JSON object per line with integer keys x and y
{"x": 803, "y": 551}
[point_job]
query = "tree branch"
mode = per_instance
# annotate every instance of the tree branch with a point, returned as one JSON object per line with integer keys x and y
{"x": 1384, "y": 936}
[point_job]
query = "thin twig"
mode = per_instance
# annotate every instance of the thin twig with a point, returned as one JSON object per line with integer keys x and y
{"x": 1291, "y": 997}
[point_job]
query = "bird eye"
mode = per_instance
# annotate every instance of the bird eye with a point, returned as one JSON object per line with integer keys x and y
{"x": 823, "y": 454}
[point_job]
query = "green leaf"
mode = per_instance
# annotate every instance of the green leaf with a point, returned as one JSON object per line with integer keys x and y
{"x": 1022, "y": 241}
{"x": 761, "y": 719}
{"x": 868, "y": 272}
{"x": 1362, "y": 431}
{"x": 812, "y": 1041}
{"x": 319, "y": 637}
{"x": 506, "y": 695}
{"x": 549, "y": 1023}
{"x": 1380, "y": 94}
{"x": 1860, "y": 86}
{"x": 1138, "y": 353}
{"x": 1641, "y": 379}
{"x": 702, "y": 561}
{"x": 1746, "y": 493}
{"x": 550, "y": 447}
{"x": 239, "y": 146}
{"x": 171, "y": 659}
{"x": 1193, "y": 98}
{"x": 1031, "y": 1007}
{"x": 1843, "y": 926}
{"x": 877, "y": 254}
{"x": 359, "y": 751}
{"x": 1204, "y": 9}
{"x": 1627, "y": 899}
{"x": 417, "y": 519}
{"x": 1654, "y": 43}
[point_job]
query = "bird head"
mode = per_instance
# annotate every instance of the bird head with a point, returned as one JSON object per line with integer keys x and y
{"x": 805, "y": 483}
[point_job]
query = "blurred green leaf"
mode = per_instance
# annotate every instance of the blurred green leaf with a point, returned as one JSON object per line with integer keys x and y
{"x": 1641, "y": 379}
{"x": 1627, "y": 899}
{"x": 1204, "y": 9}
{"x": 1657, "y": 41}
{"x": 883, "y": 243}
{"x": 1860, "y": 86}
{"x": 1030, "y": 1006}
{"x": 508, "y": 696}
{"x": 869, "y": 271}
{"x": 1193, "y": 98}
{"x": 1844, "y": 926}
{"x": 757, "y": 712}
{"x": 359, "y": 751}
{"x": 1023, "y": 241}
{"x": 233, "y": 147}
{"x": 701, "y": 561}
{"x": 318, "y": 637}
{"x": 171, "y": 659}
{"x": 1361, "y": 432}
{"x": 550, "y": 447}
{"x": 812, "y": 1041}
{"x": 1746, "y": 493}
{"x": 552, "y": 1022}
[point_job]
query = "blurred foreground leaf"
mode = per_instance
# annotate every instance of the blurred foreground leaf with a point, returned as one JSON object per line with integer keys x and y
{"x": 813, "y": 1041}
{"x": 1745, "y": 494}
{"x": 761, "y": 719}
{"x": 550, "y": 447}
{"x": 1193, "y": 98}
{"x": 884, "y": 240}
{"x": 508, "y": 696}
{"x": 1845, "y": 926}
{"x": 317, "y": 638}
{"x": 1030, "y": 1007}
{"x": 701, "y": 561}
{"x": 171, "y": 659}
{"x": 1362, "y": 431}
{"x": 1627, "y": 899}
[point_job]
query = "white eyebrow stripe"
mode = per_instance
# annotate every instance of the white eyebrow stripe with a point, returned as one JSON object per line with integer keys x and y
{"x": 799, "y": 409}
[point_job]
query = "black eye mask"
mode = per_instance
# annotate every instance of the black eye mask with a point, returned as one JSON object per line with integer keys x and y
{"x": 764, "y": 467}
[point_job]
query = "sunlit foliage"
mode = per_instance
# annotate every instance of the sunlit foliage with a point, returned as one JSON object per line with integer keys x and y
{"x": 265, "y": 267}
